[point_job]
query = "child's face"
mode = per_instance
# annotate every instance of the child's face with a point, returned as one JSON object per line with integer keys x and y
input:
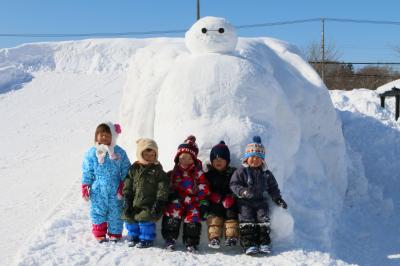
{"x": 254, "y": 161}
{"x": 149, "y": 155}
{"x": 104, "y": 138}
{"x": 185, "y": 160}
{"x": 219, "y": 164}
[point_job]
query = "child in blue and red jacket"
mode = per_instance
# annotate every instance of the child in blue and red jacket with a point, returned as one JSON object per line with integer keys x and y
{"x": 104, "y": 167}
{"x": 187, "y": 200}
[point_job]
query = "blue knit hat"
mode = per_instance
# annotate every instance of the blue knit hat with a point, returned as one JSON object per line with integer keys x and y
{"x": 220, "y": 151}
{"x": 255, "y": 149}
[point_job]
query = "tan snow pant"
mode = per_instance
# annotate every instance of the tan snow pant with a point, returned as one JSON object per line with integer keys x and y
{"x": 216, "y": 224}
{"x": 231, "y": 228}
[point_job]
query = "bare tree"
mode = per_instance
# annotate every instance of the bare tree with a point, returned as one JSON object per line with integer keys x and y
{"x": 313, "y": 52}
{"x": 371, "y": 77}
{"x": 334, "y": 71}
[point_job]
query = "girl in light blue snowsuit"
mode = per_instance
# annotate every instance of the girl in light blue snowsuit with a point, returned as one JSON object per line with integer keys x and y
{"x": 104, "y": 169}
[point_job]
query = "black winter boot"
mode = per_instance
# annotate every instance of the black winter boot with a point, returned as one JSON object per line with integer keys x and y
{"x": 264, "y": 230}
{"x": 191, "y": 234}
{"x": 170, "y": 228}
{"x": 265, "y": 240}
{"x": 248, "y": 235}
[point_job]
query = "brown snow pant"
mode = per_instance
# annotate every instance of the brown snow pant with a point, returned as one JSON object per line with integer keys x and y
{"x": 216, "y": 224}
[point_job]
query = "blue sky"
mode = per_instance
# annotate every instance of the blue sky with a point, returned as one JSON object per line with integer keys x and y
{"x": 355, "y": 42}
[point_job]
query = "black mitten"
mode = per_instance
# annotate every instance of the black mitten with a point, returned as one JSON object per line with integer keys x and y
{"x": 156, "y": 210}
{"x": 173, "y": 196}
{"x": 129, "y": 206}
{"x": 281, "y": 203}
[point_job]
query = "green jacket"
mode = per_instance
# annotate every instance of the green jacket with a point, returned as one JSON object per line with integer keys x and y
{"x": 145, "y": 184}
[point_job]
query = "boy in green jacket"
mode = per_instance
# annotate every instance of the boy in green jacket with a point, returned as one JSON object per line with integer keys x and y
{"x": 145, "y": 193}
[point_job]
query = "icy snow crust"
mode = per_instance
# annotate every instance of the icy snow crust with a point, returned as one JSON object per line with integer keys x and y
{"x": 77, "y": 85}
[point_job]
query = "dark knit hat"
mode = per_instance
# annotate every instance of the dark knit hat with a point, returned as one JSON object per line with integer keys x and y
{"x": 220, "y": 151}
{"x": 188, "y": 146}
{"x": 255, "y": 149}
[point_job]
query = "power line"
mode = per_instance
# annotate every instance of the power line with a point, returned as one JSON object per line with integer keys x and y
{"x": 364, "y": 21}
{"x": 172, "y": 31}
{"x": 279, "y": 23}
{"x": 354, "y": 63}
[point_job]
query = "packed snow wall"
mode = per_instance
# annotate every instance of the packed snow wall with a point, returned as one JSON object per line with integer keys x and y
{"x": 218, "y": 90}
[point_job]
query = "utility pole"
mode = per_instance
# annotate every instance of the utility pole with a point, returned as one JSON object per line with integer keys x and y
{"x": 198, "y": 9}
{"x": 323, "y": 50}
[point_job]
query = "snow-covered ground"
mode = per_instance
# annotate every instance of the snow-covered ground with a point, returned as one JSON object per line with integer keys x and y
{"x": 52, "y": 95}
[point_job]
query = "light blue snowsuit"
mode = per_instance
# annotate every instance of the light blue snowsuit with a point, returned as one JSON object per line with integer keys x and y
{"x": 104, "y": 180}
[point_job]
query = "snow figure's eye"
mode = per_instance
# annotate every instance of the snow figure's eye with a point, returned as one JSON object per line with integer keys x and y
{"x": 204, "y": 30}
{"x": 221, "y": 30}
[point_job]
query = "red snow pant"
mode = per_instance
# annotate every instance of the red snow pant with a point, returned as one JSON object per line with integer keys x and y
{"x": 100, "y": 230}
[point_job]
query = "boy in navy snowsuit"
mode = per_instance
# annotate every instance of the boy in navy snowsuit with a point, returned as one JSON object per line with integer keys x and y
{"x": 222, "y": 211}
{"x": 253, "y": 184}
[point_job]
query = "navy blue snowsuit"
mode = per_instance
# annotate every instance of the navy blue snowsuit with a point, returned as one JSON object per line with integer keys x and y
{"x": 254, "y": 218}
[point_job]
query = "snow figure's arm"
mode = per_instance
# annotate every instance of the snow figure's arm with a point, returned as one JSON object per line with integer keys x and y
{"x": 237, "y": 183}
{"x": 163, "y": 187}
{"x": 125, "y": 164}
{"x": 203, "y": 188}
{"x": 87, "y": 169}
{"x": 272, "y": 185}
{"x": 128, "y": 191}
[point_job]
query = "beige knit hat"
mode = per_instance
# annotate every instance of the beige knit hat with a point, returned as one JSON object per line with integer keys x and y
{"x": 144, "y": 144}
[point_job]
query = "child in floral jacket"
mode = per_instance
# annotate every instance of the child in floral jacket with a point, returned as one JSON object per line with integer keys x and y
{"x": 187, "y": 200}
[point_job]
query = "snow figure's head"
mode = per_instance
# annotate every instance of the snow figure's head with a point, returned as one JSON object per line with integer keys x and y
{"x": 211, "y": 35}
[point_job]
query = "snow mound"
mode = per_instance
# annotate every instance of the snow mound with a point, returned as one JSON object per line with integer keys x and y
{"x": 265, "y": 88}
{"x": 79, "y": 57}
{"x": 367, "y": 103}
{"x": 370, "y": 215}
{"x": 12, "y": 78}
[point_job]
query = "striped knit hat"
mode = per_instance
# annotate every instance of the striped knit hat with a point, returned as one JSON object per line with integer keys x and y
{"x": 188, "y": 146}
{"x": 254, "y": 149}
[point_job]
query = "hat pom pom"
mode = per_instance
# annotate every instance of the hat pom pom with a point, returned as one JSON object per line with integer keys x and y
{"x": 117, "y": 128}
{"x": 222, "y": 142}
{"x": 257, "y": 139}
{"x": 191, "y": 138}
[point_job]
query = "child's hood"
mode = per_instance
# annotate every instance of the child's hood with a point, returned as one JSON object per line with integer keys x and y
{"x": 115, "y": 131}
